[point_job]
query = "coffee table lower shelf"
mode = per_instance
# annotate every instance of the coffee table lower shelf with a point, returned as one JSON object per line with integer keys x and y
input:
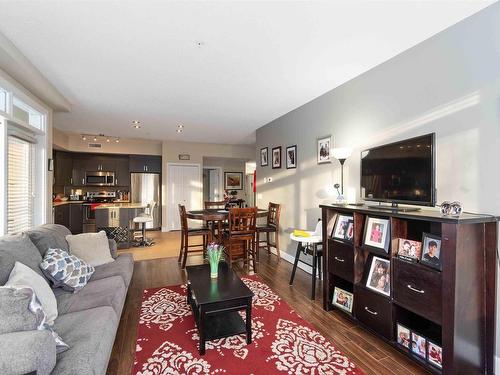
{"x": 222, "y": 324}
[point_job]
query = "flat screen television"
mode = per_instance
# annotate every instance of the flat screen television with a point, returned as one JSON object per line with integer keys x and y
{"x": 400, "y": 172}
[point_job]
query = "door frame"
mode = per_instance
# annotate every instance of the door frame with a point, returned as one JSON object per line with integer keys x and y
{"x": 200, "y": 181}
{"x": 221, "y": 180}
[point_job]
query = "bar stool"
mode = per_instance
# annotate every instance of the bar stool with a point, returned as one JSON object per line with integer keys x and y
{"x": 272, "y": 226}
{"x": 309, "y": 246}
{"x": 142, "y": 220}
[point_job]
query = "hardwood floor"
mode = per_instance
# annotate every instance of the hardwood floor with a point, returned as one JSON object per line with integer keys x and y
{"x": 371, "y": 354}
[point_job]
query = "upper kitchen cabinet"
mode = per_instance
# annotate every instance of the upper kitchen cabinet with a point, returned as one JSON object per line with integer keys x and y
{"x": 95, "y": 163}
{"x": 122, "y": 174}
{"x": 145, "y": 164}
{"x": 63, "y": 168}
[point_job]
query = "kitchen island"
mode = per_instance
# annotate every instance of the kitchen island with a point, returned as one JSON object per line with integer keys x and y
{"x": 116, "y": 220}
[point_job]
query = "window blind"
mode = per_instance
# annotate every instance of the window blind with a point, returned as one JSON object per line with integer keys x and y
{"x": 20, "y": 181}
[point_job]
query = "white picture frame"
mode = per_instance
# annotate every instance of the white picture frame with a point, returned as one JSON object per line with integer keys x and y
{"x": 344, "y": 228}
{"x": 343, "y": 299}
{"x": 379, "y": 277}
{"x": 377, "y": 233}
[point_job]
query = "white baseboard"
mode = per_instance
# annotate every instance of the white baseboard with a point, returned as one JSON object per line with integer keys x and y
{"x": 291, "y": 258}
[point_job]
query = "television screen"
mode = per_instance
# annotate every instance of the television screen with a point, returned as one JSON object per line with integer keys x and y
{"x": 400, "y": 172}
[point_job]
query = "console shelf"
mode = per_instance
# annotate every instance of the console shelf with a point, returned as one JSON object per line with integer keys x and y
{"x": 453, "y": 307}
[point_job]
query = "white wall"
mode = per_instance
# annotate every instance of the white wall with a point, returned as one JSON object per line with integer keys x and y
{"x": 449, "y": 84}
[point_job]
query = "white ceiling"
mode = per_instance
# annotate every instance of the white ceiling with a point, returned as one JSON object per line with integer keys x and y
{"x": 117, "y": 61}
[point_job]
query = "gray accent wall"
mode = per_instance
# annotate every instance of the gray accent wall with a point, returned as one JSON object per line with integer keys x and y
{"x": 448, "y": 84}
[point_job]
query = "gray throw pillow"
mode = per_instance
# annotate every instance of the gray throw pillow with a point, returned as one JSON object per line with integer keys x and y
{"x": 18, "y": 248}
{"x": 38, "y": 319}
{"x": 65, "y": 270}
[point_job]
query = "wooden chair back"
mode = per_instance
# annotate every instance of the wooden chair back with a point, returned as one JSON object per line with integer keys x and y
{"x": 242, "y": 221}
{"x": 183, "y": 217}
{"x": 273, "y": 215}
{"x": 213, "y": 205}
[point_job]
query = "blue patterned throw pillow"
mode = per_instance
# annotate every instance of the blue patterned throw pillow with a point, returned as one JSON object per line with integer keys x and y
{"x": 66, "y": 270}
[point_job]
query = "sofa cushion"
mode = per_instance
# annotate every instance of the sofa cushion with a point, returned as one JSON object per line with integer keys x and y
{"x": 123, "y": 266}
{"x": 22, "y": 275}
{"x": 15, "y": 314}
{"x": 93, "y": 248}
{"x": 90, "y": 334}
{"x": 14, "y": 249}
{"x": 110, "y": 291}
{"x": 65, "y": 270}
{"x": 49, "y": 236}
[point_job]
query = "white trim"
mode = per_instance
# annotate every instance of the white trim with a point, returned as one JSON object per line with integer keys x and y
{"x": 3, "y": 176}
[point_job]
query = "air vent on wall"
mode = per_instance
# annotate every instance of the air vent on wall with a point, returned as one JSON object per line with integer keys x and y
{"x": 95, "y": 145}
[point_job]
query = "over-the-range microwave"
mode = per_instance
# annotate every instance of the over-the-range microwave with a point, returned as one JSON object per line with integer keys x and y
{"x": 100, "y": 178}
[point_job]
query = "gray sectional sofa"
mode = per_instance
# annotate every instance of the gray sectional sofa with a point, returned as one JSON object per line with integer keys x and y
{"x": 87, "y": 321}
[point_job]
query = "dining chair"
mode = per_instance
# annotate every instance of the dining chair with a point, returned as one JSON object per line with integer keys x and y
{"x": 239, "y": 240}
{"x": 186, "y": 233}
{"x": 214, "y": 205}
{"x": 272, "y": 226}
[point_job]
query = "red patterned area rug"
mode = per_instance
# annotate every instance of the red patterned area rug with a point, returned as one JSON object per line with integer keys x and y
{"x": 283, "y": 342}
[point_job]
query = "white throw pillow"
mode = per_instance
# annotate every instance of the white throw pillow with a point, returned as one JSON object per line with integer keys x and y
{"x": 93, "y": 248}
{"x": 22, "y": 275}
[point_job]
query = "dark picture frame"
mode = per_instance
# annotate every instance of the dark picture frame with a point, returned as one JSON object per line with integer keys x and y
{"x": 401, "y": 339}
{"x": 343, "y": 299}
{"x": 264, "y": 156}
{"x": 323, "y": 151}
{"x": 343, "y": 229}
{"x": 377, "y": 238}
{"x": 276, "y": 157}
{"x": 233, "y": 180}
{"x": 380, "y": 268}
{"x": 291, "y": 157}
{"x": 431, "y": 244}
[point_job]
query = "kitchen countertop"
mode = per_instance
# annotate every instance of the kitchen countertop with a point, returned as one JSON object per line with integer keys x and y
{"x": 120, "y": 205}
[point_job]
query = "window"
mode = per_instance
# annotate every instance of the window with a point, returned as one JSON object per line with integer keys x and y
{"x": 26, "y": 114}
{"x": 20, "y": 182}
{"x": 3, "y": 100}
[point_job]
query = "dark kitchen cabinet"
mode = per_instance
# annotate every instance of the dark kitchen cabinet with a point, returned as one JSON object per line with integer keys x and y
{"x": 61, "y": 215}
{"x": 63, "y": 168}
{"x": 145, "y": 164}
{"x": 79, "y": 169}
{"x": 122, "y": 173}
{"x": 76, "y": 218}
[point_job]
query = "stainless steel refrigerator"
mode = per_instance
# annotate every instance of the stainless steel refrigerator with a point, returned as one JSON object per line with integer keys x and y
{"x": 145, "y": 188}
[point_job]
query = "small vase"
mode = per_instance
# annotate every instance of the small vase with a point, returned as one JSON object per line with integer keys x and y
{"x": 214, "y": 270}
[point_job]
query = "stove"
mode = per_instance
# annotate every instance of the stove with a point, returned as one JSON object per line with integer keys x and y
{"x": 93, "y": 199}
{"x": 100, "y": 196}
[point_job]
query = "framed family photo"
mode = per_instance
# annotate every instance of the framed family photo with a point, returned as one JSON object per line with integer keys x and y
{"x": 379, "y": 278}
{"x": 377, "y": 233}
{"x": 264, "y": 156}
{"x": 324, "y": 146}
{"x": 291, "y": 157}
{"x": 418, "y": 345}
{"x": 276, "y": 155}
{"x": 233, "y": 180}
{"x": 409, "y": 250}
{"x": 431, "y": 251}
{"x": 403, "y": 337}
{"x": 343, "y": 299}
{"x": 344, "y": 228}
{"x": 434, "y": 354}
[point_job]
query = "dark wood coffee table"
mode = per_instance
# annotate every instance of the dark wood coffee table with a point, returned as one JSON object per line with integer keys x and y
{"x": 216, "y": 302}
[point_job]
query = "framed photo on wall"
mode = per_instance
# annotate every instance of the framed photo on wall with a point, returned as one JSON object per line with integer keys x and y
{"x": 233, "y": 180}
{"x": 342, "y": 299}
{"x": 291, "y": 157}
{"x": 377, "y": 233}
{"x": 379, "y": 278}
{"x": 324, "y": 145}
{"x": 276, "y": 155}
{"x": 264, "y": 157}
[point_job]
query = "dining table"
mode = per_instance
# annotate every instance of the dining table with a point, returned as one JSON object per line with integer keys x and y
{"x": 217, "y": 216}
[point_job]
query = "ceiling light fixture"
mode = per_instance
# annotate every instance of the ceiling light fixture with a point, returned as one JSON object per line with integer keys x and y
{"x": 107, "y": 140}
{"x": 95, "y": 139}
{"x": 117, "y": 140}
{"x": 136, "y": 126}
{"x": 84, "y": 138}
{"x": 180, "y": 126}
{"x": 179, "y": 130}
{"x": 136, "y": 122}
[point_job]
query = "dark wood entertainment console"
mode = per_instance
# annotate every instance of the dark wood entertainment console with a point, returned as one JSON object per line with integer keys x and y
{"x": 453, "y": 308}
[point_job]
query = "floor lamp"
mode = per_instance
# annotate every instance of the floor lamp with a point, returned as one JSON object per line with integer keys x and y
{"x": 341, "y": 154}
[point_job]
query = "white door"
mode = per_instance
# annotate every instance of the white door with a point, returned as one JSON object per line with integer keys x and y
{"x": 214, "y": 189}
{"x": 184, "y": 187}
